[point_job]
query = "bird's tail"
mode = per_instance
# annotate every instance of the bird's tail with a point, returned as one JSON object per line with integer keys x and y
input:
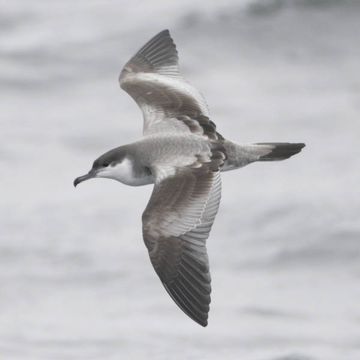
{"x": 277, "y": 151}
{"x": 242, "y": 155}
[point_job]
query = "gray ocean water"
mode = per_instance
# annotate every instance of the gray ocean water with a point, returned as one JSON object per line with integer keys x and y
{"x": 75, "y": 278}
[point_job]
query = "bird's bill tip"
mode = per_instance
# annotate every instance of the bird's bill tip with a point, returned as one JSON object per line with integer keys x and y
{"x": 80, "y": 179}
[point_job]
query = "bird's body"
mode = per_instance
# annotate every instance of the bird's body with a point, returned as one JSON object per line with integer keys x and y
{"x": 155, "y": 150}
{"x": 182, "y": 154}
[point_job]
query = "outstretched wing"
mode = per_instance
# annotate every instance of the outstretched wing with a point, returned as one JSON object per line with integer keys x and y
{"x": 176, "y": 223}
{"x": 168, "y": 102}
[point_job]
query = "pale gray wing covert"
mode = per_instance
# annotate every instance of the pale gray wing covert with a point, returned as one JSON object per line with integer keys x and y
{"x": 168, "y": 102}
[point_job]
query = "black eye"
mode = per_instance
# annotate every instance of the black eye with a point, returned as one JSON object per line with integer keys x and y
{"x": 106, "y": 164}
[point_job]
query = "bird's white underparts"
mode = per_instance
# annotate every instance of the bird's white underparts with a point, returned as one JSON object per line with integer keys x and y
{"x": 182, "y": 154}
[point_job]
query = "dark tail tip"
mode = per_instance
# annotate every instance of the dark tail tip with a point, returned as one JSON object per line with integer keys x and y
{"x": 281, "y": 151}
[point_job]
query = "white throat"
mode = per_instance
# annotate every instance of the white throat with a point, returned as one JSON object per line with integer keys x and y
{"x": 124, "y": 172}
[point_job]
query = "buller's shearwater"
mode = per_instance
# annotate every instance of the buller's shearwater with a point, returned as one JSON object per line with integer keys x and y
{"x": 182, "y": 154}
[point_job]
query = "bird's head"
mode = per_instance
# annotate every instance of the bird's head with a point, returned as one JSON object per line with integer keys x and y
{"x": 114, "y": 164}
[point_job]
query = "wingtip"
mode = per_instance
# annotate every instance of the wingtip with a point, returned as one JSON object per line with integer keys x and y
{"x": 203, "y": 323}
{"x": 200, "y": 318}
{"x": 165, "y": 31}
{"x": 161, "y": 35}
{"x": 165, "y": 35}
{"x": 159, "y": 55}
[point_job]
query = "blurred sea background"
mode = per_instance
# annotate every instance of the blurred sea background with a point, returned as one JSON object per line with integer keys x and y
{"x": 75, "y": 278}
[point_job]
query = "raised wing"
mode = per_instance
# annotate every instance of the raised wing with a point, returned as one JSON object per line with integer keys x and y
{"x": 169, "y": 103}
{"x": 176, "y": 223}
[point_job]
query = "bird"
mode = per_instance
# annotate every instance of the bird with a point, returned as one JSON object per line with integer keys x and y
{"x": 182, "y": 154}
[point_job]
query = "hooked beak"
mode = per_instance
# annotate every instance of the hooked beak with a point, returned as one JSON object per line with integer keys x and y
{"x": 91, "y": 174}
